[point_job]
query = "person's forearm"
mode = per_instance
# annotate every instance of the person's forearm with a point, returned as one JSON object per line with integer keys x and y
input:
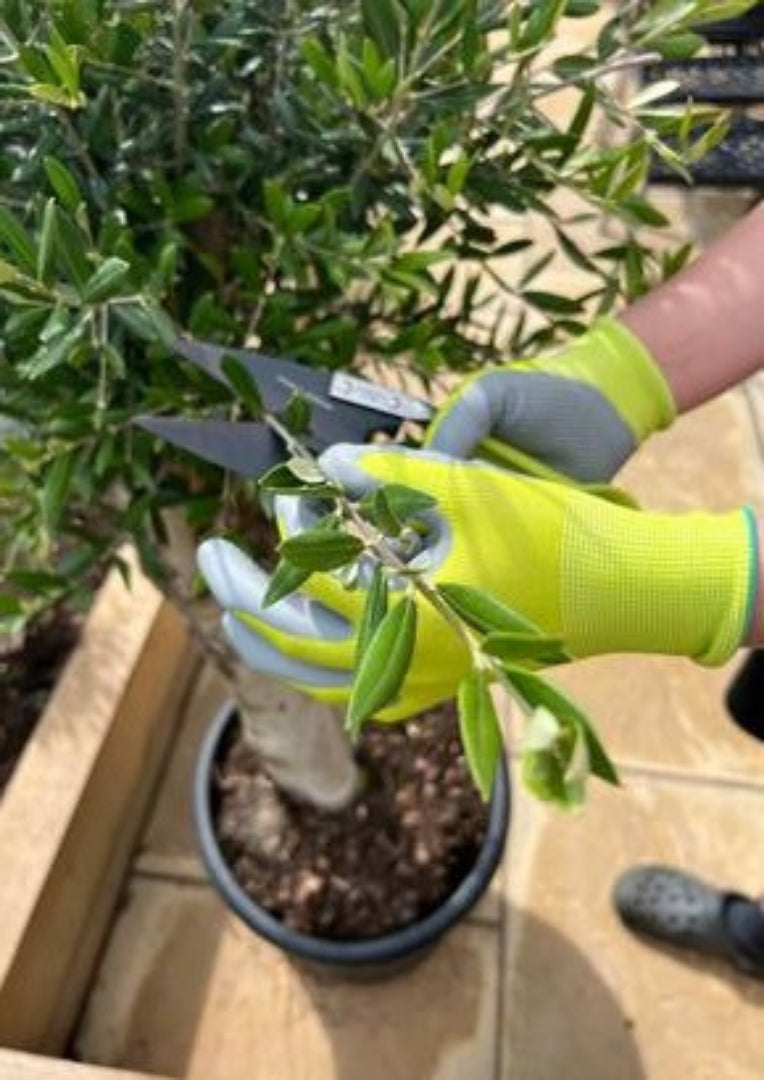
{"x": 705, "y": 327}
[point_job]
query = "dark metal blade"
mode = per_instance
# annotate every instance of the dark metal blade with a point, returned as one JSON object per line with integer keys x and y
{"x": 331, "y": 420}
{"x": 247, "y": 448}
{"x": 277, "y": 380}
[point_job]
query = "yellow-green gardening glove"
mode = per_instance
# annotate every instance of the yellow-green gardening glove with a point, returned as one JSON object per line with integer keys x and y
{"x": 602, "y": 578}
{"x": 582, "y": 411}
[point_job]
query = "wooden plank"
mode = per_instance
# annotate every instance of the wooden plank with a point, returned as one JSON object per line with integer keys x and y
{"x": 18, "y": 1066}
{"x": 73, "y": 809}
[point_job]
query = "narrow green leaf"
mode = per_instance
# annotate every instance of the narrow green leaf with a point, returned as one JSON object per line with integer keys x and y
{"x": 63, "y": 183}
{"x": 283, "y": 480}
{"x": 64, "y": 61}
{"x": 35, "y": 64}
{"x": 46, "y": 252}
{"x": 479, "y": 729}
{"x": 54, "y": 352}
{"x": 547, "y": 749}
{"x": 19, "y": 244}
{"x": 679, "y": 46}
{"x": 574, "y": 252}
{"x": 35, "y": 581}
{"x": 306, "y": 470}
{"x": 374, "y": 610}
{"x": 384, "y": 664}
{"x": 519, "y": 645}
{"x": 718, "y": 10}
{"x": 55, "y": 490}
{"x": 484, "y": 612}
{"x": 296, "y": 414}
{"x": 320, "y": 61}
{"x": 582, "y": 115}
{"x": 380, "y": 23}
{"x": 9, "y": 606}
{"x": 536, "y": 692}
{"x": 285, "y": 579}
{"x": 581, "y": 9}
{"x": 321, "y": 549}
{"x": 244, "y": 385}
{"x": 277, "y": 204}
{"x": 407, "y": 502}
{"x": 637, "y": 209}
{"x": 546, "y": 301}
{"x": 106, "y": 281}
{"x": 56, "y": 95}
{"x": 543, "y": 17}
{"x": 72, "y": 249}
{"x": 375, "y": 508}
{"x": 146, "y": 322}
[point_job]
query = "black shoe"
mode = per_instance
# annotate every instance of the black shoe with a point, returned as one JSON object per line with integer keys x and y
{"x": 679, "y": 909}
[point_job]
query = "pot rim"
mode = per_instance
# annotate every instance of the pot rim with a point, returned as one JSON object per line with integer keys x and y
{"x": 387, "y": 947}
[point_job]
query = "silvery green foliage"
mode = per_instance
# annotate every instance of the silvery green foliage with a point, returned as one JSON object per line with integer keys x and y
{"x": 322, "y": 178}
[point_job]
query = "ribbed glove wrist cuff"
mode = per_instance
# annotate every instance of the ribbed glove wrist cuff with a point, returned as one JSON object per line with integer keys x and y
{"x": 656, "y": 583}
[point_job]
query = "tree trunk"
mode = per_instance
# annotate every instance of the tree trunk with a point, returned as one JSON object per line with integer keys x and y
{"x": 300, "y": 742}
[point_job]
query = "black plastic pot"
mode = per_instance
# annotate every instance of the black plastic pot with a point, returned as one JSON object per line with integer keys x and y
{"x": 371, "y": 958}
{"x": 745, "y": 695}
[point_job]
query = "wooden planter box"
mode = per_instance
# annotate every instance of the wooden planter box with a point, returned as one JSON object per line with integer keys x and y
{"x": 18, "y": 1066}
{"x": 72, "y": 812}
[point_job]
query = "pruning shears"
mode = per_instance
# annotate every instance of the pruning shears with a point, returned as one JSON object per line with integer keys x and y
{"x": 343, "y": 408}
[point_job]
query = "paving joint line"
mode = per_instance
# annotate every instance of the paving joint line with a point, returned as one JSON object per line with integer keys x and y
{"x": 691, "y": 779}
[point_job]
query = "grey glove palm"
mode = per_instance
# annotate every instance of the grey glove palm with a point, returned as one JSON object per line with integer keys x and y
{"x": 582, "y": 411}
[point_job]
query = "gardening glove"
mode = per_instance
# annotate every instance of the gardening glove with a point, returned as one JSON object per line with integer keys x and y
{"x": 582, "y": 411}
{"x": 598, "y": 576}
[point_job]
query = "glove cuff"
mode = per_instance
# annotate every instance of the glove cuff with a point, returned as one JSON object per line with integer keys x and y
{"x": 611, "y": 359}
{"x": 657, "y": 583}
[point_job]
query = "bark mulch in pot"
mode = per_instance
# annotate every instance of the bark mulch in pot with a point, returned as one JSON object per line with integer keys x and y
{"x": 382, "y": 863}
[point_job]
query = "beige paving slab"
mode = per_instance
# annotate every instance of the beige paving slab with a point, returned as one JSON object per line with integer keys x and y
{"x": 18, "y": 1066}
{"x": 585, "y": 1000}
{"x": 670, "y": 712}
{"x": 151, "y": 987}
{"x": 187, "y": 990}
{"x": 168, "y": 845}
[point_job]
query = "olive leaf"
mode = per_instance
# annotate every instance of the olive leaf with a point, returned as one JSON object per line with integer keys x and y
{"x": 106, "y": 280}
{"x": 535, "y": 691}
{"x": 244, "y": 385}
{"x": 548, "y": 748}
{"x": 374, "y": 610}
{"x": 479, "y": 729}
{"x": 321, "y": 548}
{"x": 391, "y": 506}
{"x": 285, "y": 579}
{"x": 296, "y": 414}
{"x": 555, "y": 759}
{"x": 62, "y": 182}
{"x": 55, "y": 489}
{"x": 15, "y": 238}
{"x": 521, "y": 645}
{"x": 384, "y": 664}
{"x": 287, "y": 478}
{"x": 46, "y": 251}
{"x": 484, "y": 612}
{"x": 306, "y": 469}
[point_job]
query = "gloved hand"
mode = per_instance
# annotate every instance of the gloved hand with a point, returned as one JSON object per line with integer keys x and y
{"x": 583, "y": 411}
{"x": 601, "y": 577}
